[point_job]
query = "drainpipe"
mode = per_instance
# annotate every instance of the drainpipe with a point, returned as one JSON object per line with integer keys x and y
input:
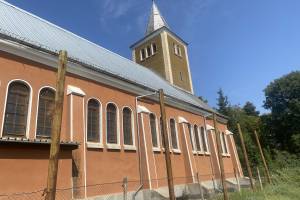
{"x": 139, "y": 142}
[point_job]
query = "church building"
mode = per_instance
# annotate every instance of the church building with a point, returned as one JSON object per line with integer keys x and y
{"x": 111, "y": 125}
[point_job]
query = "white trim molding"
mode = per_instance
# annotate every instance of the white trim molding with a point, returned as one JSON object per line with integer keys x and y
{"x": 75, "y": 90}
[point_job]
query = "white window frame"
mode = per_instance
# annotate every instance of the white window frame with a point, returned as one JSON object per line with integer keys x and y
{"x": 126, "y": 146}
{"x": 141, "y": 54}
{"x": 99, "y": 144}
{"x": 29, "y": 106}
{"x": 193, "y": 139}
{"x": 152, "y": 49}
{"x": 37, "y": 106}
{"x": 175, "y": 150}
{"x": 158, "y": 148}
{"x": 118, "y": 144}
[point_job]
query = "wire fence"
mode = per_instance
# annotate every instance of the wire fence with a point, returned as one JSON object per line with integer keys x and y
{"x": 198, "y": 186}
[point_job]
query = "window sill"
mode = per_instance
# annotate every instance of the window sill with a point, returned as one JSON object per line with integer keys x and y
{"x": 130, "y": 147}
{"x": 225, "y": 154}
{"x": 200, "y": 152}
{"x": 195, "y": 152}
{"x": 113, "y": 146}
{"x": 207, "y": 153}
{"x": 176, "y": 151}
{"x": 156, "y": 149}
{"x": 94, "y": 145}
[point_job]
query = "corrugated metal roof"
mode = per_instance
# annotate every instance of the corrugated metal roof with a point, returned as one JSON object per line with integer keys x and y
{"x": 24, "y": 26}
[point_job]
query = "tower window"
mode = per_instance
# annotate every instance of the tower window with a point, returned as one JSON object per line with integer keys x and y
{"x": 154, "y": 48}
{"x": 181, "y": 76}
{"x": 149, "y": 53}
{"x": 143, "y": 54}
{"x": 177, "y": 50}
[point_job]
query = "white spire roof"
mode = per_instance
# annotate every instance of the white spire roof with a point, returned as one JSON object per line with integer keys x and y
{"x": 156, "y": 20}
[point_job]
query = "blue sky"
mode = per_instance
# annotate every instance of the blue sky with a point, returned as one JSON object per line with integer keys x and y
{"x": 237, "y": 45}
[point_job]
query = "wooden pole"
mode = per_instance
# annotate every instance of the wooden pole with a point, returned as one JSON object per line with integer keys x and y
{"x": 246, "y": 156}
{"x": 237, "y": 180}
{"x": 263, "y": 157}
{"x": 225, "y": 192}
{"x": 259, "y": 179}
{"x": 56, "y": 127}
{"x": 166, "y": 145}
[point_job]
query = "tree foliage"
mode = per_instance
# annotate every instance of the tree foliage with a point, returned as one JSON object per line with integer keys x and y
{"x": 283, "y": 99}
{"x": 279, "y": 131}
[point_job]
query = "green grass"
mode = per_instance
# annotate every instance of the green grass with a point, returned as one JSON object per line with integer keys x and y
{"x": 286, "y": 186}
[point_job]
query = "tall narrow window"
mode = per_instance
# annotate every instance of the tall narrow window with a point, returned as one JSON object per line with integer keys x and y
{"x": 143, "y": 54}
{"x": 173, "y": 134}
{"x": 93, "y": 121}
{"x": 153, "y": 130}
{"x": 45, "y": 112}
{"x": 127, "y": 126}
{"x": 203, "y": 138}
{"x": 154, "y": 48}
{"x": 148, "y": 50}
{"x": 191, "y": 137}
{"x": 196, "y": 133}
{"x": 223, "y": 138}
{"x": 161, "y": 132}
{"x": 111, "y": 124}
{"x": 16, "y": 112}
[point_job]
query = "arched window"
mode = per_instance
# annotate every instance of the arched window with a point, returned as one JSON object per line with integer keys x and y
{"x": 111, "y": 124}
{"x": 93, "y": 121}
{"x": 127, "y": 126}
{"x": 191, "y": 137}
{"x": 196, "y": 133}
{"x": 161, "y": 132}
{"x": 203, "y": 138}
{"x": 45, "y": 112}
{"x": 153, "y": 130}
{"x": 173, "y": 134}
{"x": 154, "y": 48}
{"x": 16, "y": 111}
{"x": 223, "y": 143}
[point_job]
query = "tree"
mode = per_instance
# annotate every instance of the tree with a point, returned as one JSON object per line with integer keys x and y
{"x": 283, "y": 99}
{"x": 250, "y": 109}
{"x": 223, "y": 103}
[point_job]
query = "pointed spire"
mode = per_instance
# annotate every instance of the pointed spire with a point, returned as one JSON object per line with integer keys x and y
{"x": 156, "y": 20}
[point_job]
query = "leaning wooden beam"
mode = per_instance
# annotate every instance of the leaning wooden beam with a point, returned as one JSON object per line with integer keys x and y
{"x": 165, "y": 141}
{"x": 56, "y": 127}
{"x": 225, "y": 192}
{"x": 262, "y": 157}
{"x": 246, "y": 156}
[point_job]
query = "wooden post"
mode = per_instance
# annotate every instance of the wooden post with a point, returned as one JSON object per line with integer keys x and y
{"x": 262, "y": 157}
{"x": 237, "y": 180}
{"x": 125, "y": 188}
{"x": 259, "y": 178}
{"x": 166, "y": 144}
{"x": 56, "y": 127}
{"x": 225, "y": 192}
{"x": 200, "y": 186}
{"x": 246, "y": 156}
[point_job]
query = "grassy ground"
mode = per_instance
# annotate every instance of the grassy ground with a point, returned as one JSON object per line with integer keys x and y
{"x": 286, "y": 186}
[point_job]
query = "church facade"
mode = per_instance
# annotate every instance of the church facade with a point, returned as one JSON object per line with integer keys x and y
{"x": 111, "y": 127}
